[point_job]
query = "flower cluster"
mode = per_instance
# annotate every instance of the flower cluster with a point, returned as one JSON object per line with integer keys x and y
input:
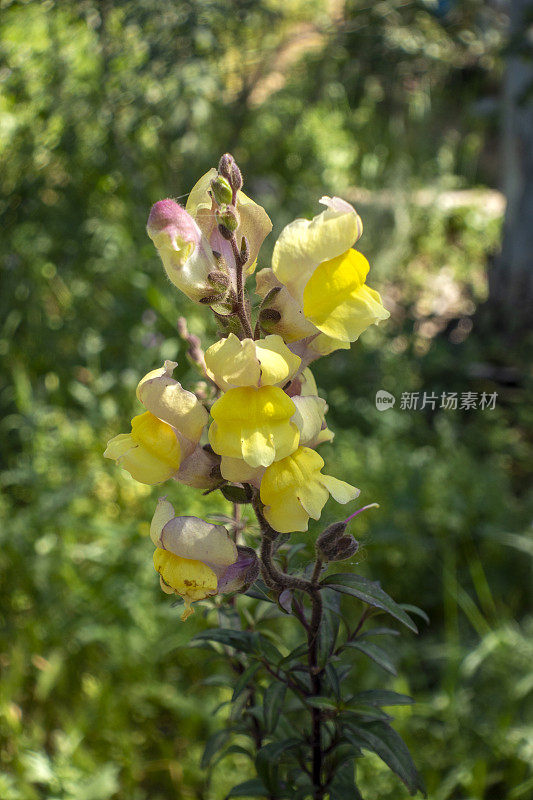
{"x": 262, "y": 431}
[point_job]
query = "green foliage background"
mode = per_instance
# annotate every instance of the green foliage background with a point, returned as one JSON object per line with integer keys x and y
{"x": 109, "y": 106}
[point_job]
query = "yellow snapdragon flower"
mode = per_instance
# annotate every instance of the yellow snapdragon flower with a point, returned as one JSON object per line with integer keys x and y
{"x": 325, "y": 277}
{"x": 165, "y": 435}
{"x": 191, "y": 555}
{"x": 254, "y": 425}
{"x": 233, "y": 362}
{"x": 294, "y": 489}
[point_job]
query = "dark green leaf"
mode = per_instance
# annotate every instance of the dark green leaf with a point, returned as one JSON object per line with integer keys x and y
{"x": 253, "y": 788}
{"x": 244, "y": 680}
{"x": 328, "y": 631}
{"x": 272, "y": 704}
{"x": 418, "y": 612}
{"x": 245, "y": 641}
{"x": 376, "y": 653}
{"x": 215, "y": 743}
{"x": 382, "y": 697}
{"x": 323, "y": 703}
{"x": 383, "y": 740}
{"x": 379, "y": 632}
{"x": 236, "y": 494}
{"x": 370, "y": 592}
{"x": 295, "y": 654}
{"x": 333, "y": 680}
{"x": 268, "y": 650}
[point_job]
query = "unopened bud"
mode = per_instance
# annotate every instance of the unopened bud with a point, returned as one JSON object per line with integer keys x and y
{"x": 245, "y": 250}
{"x": 228, "y": 217}
{"x": 229, "y": 170}
{"x": 218, "y": 279}
{"x": 221, "y": 190}
{"x": 335, "y": 545}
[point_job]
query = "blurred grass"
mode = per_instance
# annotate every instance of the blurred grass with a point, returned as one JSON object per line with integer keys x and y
{"x": 106, "y": 108}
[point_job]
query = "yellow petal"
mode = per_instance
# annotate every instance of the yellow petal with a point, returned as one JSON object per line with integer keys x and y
{"x": 237, "y": 470}
{"x": 337, "y": 301}
{"x": 188, "y": 578}
{"x": 254, "y": 424}
{"x": 294, "y": 489}
{"x": 151, "y": 453}
{"x": 304, "y": 244}
{"x": 231, "y": 362}
{"x": 166, "y": 399}
{"x": 267, "y": 362}
{"x": 309, "y": 417}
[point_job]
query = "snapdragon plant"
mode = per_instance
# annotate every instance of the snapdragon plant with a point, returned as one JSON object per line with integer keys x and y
{"x": 252, "y": 433}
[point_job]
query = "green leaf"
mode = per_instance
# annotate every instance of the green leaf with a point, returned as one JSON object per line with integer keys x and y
{"x": 333, "y": 679}
{"x": 322, "y": 703}
{"x": 268, "y": 760}
{"x": 268, "y": 650}
{"x": 376, "y": 653}
{"x": 418, "y": 612}
{"x": 295, "y": 654}
{"x": 382, "y": 697}
{"x": 370, "y": 592}
{"x": 380, "y": 738}
{"x": 272, "y": 703}
{"x": 378, "y": 632}
{"x": 343, "y": 785}
{"x": 244, "y": 680}
{"x": 236, "y": 494}
{"x": 215, "y": 743}
{"x": 253, "y": 788}
{"x": 245, "y": 641}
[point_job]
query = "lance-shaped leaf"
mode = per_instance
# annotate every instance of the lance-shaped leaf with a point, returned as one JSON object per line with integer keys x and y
{"x": 380, "y": 738}
{"x": 370, "y": 592}
{"x": 376, "y": 653}
{"x": 272, "y": 704}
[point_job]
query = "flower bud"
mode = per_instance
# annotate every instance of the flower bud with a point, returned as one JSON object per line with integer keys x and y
{"x": 335, "y": 545}
{"x": 183, "y": 248}
{"x": 219, "y": 279}
{"x": 228, "y": 168}
{"x": 228, "y": 217}
{"x": 221, "y": 190}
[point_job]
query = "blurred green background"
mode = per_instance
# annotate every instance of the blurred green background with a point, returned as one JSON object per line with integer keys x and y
{"x": 109, "y": 106}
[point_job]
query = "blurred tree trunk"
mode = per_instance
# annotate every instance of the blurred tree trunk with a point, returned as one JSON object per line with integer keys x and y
{"x": 510, "y": 303}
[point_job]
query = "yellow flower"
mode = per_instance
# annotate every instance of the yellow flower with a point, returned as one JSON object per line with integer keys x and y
{"x": 294, "y": 489}
{"x": 236, "y": 470}
{"x": 196, "y": 559}
{"x": 282, "y": 314}
{"x": 325, "y": 277}
{"x": 338, "y": 302}
{"x": 165, "y": 435}
{"x": 254, "y": 223}
{"x": 232, "y": 362}
{"x": 254, "y": 425}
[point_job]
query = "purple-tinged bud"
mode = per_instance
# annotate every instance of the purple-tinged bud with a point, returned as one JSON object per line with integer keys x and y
{"x": 169, "y": 225}
{"x": 334, "y": 545}
{"x": 239, "y": 576}
{"x": 184, "y": 250}
{"x": 228, "y": 168}
{"x": 221, "y": 190}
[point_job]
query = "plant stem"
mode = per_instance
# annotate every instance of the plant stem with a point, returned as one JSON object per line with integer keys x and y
{"x": 280, "y": 581}
{"x": 241, "y": 303}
